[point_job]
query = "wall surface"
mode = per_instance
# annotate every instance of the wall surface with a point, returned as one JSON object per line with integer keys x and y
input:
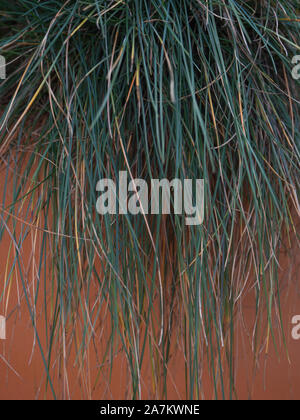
{"x": 275, "y": 375}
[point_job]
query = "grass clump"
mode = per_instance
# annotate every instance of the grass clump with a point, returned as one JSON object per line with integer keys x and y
{"x": 163, "y": 89}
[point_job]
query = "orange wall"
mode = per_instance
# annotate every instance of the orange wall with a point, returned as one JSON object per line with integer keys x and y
{"x": 21, "y": 368}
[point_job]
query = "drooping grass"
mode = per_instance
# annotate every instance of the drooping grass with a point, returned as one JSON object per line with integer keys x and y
{"x": 162, "y": 89}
